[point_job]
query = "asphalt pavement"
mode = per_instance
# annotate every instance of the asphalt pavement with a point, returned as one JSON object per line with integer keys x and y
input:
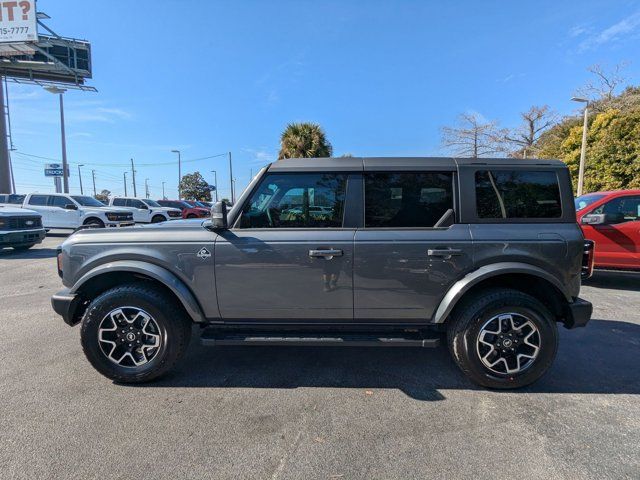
{"x": 307, "y": 413}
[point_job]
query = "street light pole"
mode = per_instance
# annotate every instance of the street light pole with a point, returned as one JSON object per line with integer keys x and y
{"x": 233, "y": 196}
{"x": 179, "y": 173}
{"x": 125, "y": 184}
{"x": 146, "y": 187}
{"x": 80, "y": 178}
{"x": 93, "y": 174}
{"x": 164, "y": 197}
{"x": 65, "y": 174}
{"x": 215, "y": 182}
{"x": 583, "y": 149}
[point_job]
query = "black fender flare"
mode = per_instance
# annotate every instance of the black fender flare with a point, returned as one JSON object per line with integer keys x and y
{"x": 160, "y": 274}
{"x": 458, "y": 289}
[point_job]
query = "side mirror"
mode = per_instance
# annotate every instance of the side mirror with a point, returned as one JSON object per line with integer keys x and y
{"x": 602, "y": 218}
{"x": 219, "y": 216}
{"x": 70, "y": 206}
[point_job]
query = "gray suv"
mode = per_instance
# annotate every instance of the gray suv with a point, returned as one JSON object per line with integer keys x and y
{"x": 482, "y": 254}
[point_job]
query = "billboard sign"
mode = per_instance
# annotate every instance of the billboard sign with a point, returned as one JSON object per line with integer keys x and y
{"x": 18, "y": 21}
{"x": 54, "y": 170}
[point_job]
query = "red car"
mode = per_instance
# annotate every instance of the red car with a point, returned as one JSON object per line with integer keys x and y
{"x": 189, "y": 209}
{"x": 612, "y": 221}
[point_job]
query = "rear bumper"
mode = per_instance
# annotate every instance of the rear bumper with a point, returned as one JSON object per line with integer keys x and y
{"x": 578, "y": 313}
{"x": 21, "y": 237}
{"x": 66, "y": 304}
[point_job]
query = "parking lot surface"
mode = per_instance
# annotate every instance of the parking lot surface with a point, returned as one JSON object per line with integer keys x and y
{"x": 269, "y": 412}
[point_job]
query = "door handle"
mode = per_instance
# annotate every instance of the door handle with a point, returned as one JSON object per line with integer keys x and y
{"x": 445, "y": 253}
{"x": 327, "y": 253}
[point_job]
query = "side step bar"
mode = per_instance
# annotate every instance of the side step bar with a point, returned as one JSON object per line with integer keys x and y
{"x": 212, "y": 337}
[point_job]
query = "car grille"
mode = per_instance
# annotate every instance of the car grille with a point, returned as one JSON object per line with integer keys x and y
{"x": 24, "y": 223}
{"x": 120, "y": 216}
{"x": 175, "y": 214}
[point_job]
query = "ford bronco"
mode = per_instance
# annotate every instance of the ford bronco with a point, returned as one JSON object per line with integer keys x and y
{"x": 484, "y": 255}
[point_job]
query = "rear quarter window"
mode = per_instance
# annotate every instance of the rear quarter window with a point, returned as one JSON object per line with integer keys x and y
{"x": 517, "y": 194}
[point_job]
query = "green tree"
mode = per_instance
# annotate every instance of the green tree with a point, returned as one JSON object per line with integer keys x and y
{"x": 194, "y": 187}
{"x": 103, "y": 196}
{"x": 304, "y": 140}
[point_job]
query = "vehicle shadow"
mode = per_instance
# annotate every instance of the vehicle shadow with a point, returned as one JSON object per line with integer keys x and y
{"x": 33, "y": 253}
{"x": 614, "y": 280}
{"x": 601, "y": 358}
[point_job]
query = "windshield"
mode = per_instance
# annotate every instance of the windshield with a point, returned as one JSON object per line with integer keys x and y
{"x": 189, "y": 204}
{"x": 151, "y": 203}
{"x": 200, "y": 204}
{"x": 87, "y": 201}
{"x": 585, "y": 200}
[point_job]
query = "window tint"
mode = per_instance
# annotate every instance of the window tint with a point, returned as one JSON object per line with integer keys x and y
{"x": 585, "y": 200}
{"x": 517, "y": 194}
{"x": 135, "y": 203}
{"x": 626, "y": 208}
{"x": 406, "y": 199}
{"x": 38, "y": 199}
{"x": 119, "y": 202}
{"x": 296, "y": 200}
{"x": 60, "y": 201}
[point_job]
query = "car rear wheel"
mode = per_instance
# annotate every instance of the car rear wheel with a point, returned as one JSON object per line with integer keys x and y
{"x": 503, "y": 338}
{"x": 134, "y": 333}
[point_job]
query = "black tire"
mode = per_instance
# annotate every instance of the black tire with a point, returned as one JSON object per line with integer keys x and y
{"x": 191, "y": 215}
{"x": 173, "y": 325}
{"x": 468, "y": 320}
{"x": 94, "y": 221}
{"x": 21, "y": 248}
{"x": 157, "y": 219}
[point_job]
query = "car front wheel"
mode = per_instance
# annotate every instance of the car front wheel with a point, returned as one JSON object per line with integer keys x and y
{"x": 134, "y": 333}
{"x": 503, "y": 338}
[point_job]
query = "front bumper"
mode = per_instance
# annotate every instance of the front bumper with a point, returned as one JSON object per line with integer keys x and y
{"x": 66, "y": 305}
{"x": 21, "y": 237}
{"x": 578, "y": 313}
{"x": 119, "y": 224}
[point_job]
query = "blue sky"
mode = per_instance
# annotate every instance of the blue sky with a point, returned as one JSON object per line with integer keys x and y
{"x": 381, "y": 77}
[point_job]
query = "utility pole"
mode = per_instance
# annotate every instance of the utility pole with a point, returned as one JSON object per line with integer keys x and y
{"x": 164, "y": 197}
{"x": 146, "y": 187}
{"x": 93, "y": 174}
{"x": 215, "y": 182}
{"x": 80, "y": 178}
{"x": 583, "y": 149}
{"x": 5, "y": 168}
{"x": 133, "y": 173}
{"x": 179, "y": 173}
{"x": 233, "y": 196}
{"x": 125, "y": 184}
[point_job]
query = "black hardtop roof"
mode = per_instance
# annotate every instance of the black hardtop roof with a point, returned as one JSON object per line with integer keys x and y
{"x": 354, "y": 164}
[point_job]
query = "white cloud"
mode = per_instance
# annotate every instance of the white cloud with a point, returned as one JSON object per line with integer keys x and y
{"x": 615, "y": 33}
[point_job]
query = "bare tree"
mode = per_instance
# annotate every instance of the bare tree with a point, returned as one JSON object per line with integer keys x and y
{"x": 472, "y": 137}
{"x": 523, "y": 139}
{"x": 604, "y": 85}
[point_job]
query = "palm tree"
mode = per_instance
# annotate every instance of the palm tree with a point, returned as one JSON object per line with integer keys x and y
{"x": 304, "y": 140}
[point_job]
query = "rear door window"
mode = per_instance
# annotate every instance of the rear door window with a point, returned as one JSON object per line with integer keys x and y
{"x": 406, "y": 200}
{"x": 517, "y": 194}
{"x": 119, "y": 202}
{"x": 38, "y": 200}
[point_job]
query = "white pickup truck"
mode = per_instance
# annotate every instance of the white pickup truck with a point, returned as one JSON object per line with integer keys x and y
{"x": 20, "y": 228}
{"x": 145, "y": 210}
{"x": 69, "y": 212}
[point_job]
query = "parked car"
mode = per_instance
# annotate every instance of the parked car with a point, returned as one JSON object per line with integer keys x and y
{"x": 145, "y": 210}
{"x": 69, "y": 212}
{"x": 20, "y": 228}
{"x": 612, "y": 221}
{"x": 188, "y": 209}
{"x": 401, "y": 258}
{"x": 11, "y": 199}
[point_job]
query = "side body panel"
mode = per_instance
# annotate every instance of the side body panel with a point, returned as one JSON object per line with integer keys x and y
{"x": 268, "y": 274}
{"x": 395, "y": 279}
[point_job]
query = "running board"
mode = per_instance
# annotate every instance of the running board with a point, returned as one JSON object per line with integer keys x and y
{"x": 213, "y": 337}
